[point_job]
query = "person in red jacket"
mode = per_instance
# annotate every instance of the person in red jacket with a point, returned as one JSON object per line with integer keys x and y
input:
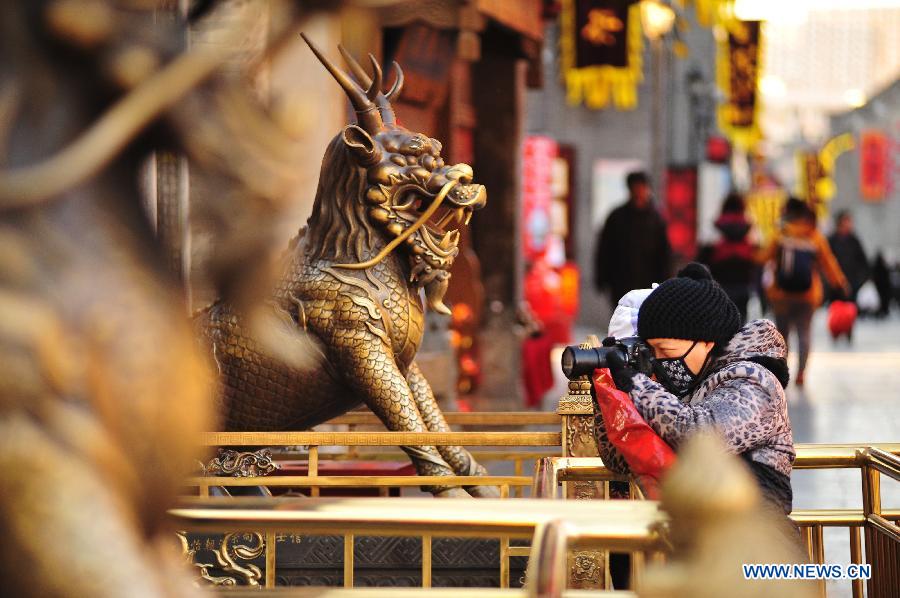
{"x": 731, "y": 259}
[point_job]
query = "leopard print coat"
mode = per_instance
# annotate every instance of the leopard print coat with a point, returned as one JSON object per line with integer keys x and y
{"x": 740, "y": 399}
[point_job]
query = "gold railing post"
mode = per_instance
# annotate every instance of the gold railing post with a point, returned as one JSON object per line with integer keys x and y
{"x": 806, "y": 537}
{"x": 504, "y": 561}
{"x": 856, "y": 558}
{"x": 426, "y": 561}
{"x": 348, "y": 560}
{"x": 871, "y": 490}
{"x": 818, "y": 544}
{"x": 638, "y": 562}
{"x": 270, "y": 559}
{"x": 312, "y": 469}
{"x": 818, "y": 550}
{"x": 517, "y": 470}
{"x": 587, "y": 568}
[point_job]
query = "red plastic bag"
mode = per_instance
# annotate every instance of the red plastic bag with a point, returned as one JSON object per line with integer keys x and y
{"x": 841, "y": 316}
{"x": 648, "y": 456}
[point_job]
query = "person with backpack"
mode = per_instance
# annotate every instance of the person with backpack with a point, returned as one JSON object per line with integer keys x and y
{"x": 796, "y": 258}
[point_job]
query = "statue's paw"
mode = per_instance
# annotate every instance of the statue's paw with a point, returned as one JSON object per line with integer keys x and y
{"x": 484, "y": 491}
{"x": 454, "y": 492}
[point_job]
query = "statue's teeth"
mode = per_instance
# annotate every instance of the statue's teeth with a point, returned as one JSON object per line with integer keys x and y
{"x": 447, "y": 217}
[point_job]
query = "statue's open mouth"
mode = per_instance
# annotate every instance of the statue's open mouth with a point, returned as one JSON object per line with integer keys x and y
{"x": 432, "y": 245}
{"x": 441, "y": 229}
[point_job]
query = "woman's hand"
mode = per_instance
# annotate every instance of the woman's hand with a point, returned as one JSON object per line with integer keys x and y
{"x": 622, "y": 373}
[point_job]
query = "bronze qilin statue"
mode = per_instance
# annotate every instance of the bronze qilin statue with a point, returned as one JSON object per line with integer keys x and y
{"x": 384, "y": 225}
{"x": 103, "y": 389}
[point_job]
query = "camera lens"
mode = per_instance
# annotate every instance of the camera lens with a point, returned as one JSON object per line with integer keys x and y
{"x": 577, "y": 361}
{"x": 568, "y": 361}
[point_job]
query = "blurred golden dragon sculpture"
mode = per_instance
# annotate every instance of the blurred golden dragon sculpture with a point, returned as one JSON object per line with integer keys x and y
{"x": 103, "y": 389}
{"x": 382, "y": 227}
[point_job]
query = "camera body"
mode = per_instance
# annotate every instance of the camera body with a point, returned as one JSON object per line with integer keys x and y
{"x": 577, "y": 361}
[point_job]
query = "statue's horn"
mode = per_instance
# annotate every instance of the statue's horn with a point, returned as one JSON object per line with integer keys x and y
{"x": 398, "y": 83}
{"x": 366, "y": 111}
{"x": 383, "y": 100}
{"x": 375, "y": 87}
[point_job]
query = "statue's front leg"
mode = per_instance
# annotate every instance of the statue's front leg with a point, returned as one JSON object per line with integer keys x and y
{"x": 371, "y": 371}
{"x": 459, "y": 458}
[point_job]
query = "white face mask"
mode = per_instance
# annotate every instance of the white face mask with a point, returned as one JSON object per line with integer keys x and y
{"x": 675, "y": 375}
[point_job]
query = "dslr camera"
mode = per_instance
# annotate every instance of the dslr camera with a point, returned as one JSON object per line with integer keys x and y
{"x": 577, "y": 361}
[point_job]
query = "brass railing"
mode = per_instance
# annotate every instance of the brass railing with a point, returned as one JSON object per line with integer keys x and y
{"x": 882, "y": 545}
{"x": 494, "y": 419}
{"x": 392, "y": 592}
{"x": 500, "y": 419}
{"x": 314, "y": 440}
{"x": 550, "y": 472}
{"x": 618, "y": 525}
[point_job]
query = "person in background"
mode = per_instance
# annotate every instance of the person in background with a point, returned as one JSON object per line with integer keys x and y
{"x": 849, "y": 252}
{"x": 731, "y": 259}
{"x": 633, "y": 248}
{"x": 881, "y": 277}
{"x": 797, "y": 256}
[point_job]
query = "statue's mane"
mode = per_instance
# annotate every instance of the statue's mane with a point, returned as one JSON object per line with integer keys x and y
{"x": 339, "y": 227}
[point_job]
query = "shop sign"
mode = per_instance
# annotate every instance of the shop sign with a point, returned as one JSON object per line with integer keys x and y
{"x": 537, "y": 193}
{"x": 874, "y": 165}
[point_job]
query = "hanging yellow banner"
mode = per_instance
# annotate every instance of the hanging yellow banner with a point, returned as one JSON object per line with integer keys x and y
{"x": 764, "y": 209}
{"x": 600, "y": 52}
{"x": 710, "y": 12}
{"x": 815, "y": 181}
{"x": 738, "y": 61}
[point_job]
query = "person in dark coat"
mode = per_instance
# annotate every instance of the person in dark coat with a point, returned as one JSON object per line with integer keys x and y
{"x": 632, "y": 250}
{"x": 731, "y": 259}
{"x": 849, "y": 252}
{"x": 881, "y": 277}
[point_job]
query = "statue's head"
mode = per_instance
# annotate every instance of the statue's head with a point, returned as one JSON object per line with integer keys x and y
{"x": 378, "y": 178}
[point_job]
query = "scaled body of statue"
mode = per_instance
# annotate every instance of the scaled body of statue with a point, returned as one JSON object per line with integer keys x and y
{"x": 384, "y": 225}
{"x": 104, "y": 391}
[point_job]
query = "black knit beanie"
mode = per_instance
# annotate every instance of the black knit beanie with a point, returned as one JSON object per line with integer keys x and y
{"x": 691, "y": 306}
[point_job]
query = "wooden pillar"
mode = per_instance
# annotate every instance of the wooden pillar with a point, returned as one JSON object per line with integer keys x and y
{"x": 498, "y": 90}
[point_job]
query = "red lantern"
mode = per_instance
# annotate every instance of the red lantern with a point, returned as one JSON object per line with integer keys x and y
{"x": 718, "y": 150}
